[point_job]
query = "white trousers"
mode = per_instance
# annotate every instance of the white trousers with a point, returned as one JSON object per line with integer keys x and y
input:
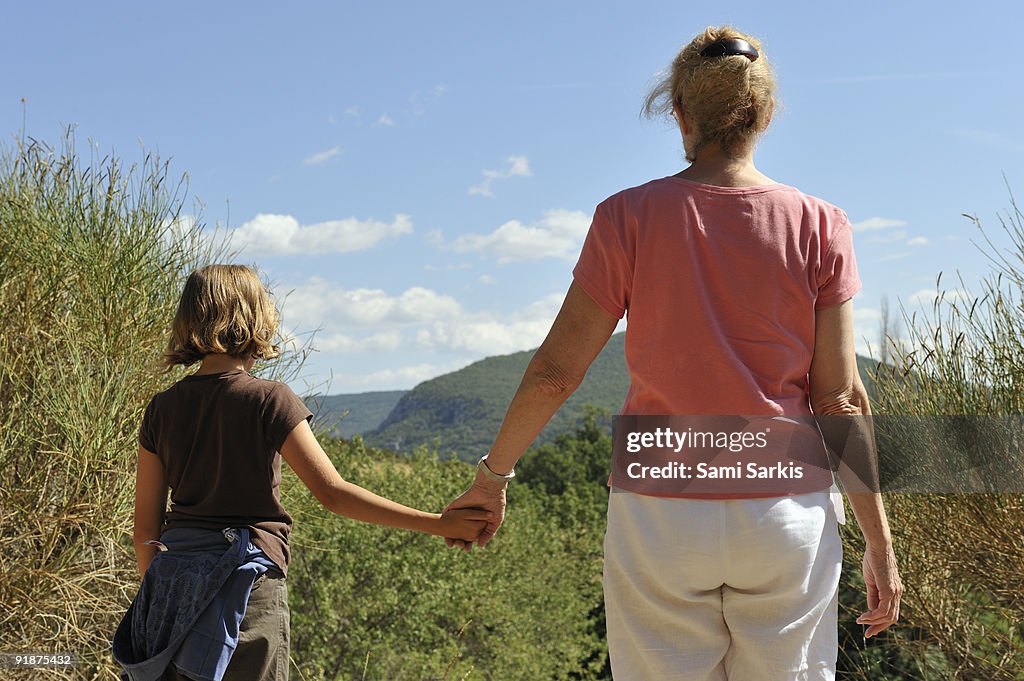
{"x": 709, "y": 590}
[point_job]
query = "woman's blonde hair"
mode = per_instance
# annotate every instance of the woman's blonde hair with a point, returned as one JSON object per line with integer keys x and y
{"x": 728, "y": 99}
{"x": 223, "y": 309}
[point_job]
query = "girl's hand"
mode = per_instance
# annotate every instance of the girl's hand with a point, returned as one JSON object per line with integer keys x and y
{"x": 463, "y": 523}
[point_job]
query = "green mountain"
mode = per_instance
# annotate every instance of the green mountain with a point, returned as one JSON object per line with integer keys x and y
{"x": 460, "y": 412}
{"x": 866, "y": 367}
{"x": 347, "y": 415}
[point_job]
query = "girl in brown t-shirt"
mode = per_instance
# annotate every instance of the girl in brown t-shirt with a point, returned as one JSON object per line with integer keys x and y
{"x": 216, "y": 439}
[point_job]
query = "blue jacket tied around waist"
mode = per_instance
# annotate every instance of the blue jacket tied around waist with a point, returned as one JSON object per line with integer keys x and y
{"x": 190, "y": 605}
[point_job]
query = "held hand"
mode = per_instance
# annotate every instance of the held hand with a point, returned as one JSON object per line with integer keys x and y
{"x": 486, "y": 495}
{"x": 464, "y": 524}
{"x": 884, "y": 590}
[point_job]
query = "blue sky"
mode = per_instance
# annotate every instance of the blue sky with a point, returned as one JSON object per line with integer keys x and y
{"x": 416, "y": 178}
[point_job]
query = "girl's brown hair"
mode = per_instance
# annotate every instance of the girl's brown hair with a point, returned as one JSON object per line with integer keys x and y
{"x": 223, "y": 309}
{"x": 728, "y": 99}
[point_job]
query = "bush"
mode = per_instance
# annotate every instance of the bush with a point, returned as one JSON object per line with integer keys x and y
{"x": 370, "y": 602}
{"x": 962, "y": 555}
{"x": 92, "y": 258}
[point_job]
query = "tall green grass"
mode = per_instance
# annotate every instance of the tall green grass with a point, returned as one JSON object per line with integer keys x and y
{"x": 93, "y": 255}
{"x": 962, "y": 555}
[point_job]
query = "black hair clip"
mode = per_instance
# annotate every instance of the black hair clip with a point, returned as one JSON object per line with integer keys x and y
{"x": 728, "y": 47}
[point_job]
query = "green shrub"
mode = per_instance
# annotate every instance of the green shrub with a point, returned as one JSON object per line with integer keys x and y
{"x": 962, "y": 555}
{"x": 376, "y": 603}
{"x": 92, "y": 257}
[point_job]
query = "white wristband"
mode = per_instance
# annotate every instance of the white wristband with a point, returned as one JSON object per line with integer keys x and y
{"x": 491, "y": 475}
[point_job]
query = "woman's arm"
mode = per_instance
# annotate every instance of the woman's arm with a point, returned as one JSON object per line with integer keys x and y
{"x": 577, "y": 335}
{"x": 838, "y": 395}
{"x": 150, "y": 504}
{"x": 307, "y": 458}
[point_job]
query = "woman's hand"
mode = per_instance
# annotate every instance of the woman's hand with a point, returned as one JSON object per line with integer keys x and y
{"x": 464, "y": 524}
{"x": 484, "y": 494}
{"x": 884, "y": 590}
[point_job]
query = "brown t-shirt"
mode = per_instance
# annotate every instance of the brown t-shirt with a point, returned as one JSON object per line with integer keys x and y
{"x": 218, "y": 436}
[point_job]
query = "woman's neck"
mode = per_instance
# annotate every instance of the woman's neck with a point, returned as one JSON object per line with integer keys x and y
{"x": 713, "y": 166}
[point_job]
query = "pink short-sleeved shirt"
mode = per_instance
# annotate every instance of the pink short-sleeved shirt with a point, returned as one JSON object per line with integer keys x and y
{"x": 720, "y": 287}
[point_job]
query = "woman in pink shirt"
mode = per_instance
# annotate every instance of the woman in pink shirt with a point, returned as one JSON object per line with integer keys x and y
{"x": 737, "y": 292}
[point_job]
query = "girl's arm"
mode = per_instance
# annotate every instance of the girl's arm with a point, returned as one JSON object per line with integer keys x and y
{"x": 150, "y": 504}
{"x": 309, "y": 461}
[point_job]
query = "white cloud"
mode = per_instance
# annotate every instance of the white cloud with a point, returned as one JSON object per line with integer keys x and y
{"x": 484, "y": 334}
{"x": 450, "y": 267}
{"x": 352, "y": 111}
{"x": 419, "y": 101}
{"x": 888, "y": 237}
{"x": 918, "y": 241}
{"x": 546, "y": 308}
{"x": 385, "y": 121}
{"x": 184, "y": 228}
{"x": 345, "y": 343}
{"x": 866, "y": 315}
{"x": 517, "y": 166}
{"x": 362, "y": 333}
{"x": 927, "y": 296}
{"x": 268, "y": 234}
{"x": 865, "y": 330}
{"x": 318, "y": 303}
{"x": 322, "y": 156}
{"x": 486, "y": 279}
{"x": 873, "y": 224}
{"x": 559, "y": 234}
{"x": 434, "y": 237}
{"x": 180, "y": 226}
{"x": 891, "y": 256}
{"x": 392, "y": 379}
{"x": 372, "y": 320}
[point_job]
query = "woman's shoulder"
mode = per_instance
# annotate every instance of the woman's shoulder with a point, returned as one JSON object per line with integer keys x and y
{"x": 666, "y": 193}
{"x": 632, "y": 200}
{"x": 640, "y": 191}
{"x": 673, "y": 187}
{"x": 820, "y": 204}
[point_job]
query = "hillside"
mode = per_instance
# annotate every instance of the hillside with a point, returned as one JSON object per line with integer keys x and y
{"x": 354, "y": 414}
{"x": 865, "y": 367}
{"x": 460, "y": 412}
